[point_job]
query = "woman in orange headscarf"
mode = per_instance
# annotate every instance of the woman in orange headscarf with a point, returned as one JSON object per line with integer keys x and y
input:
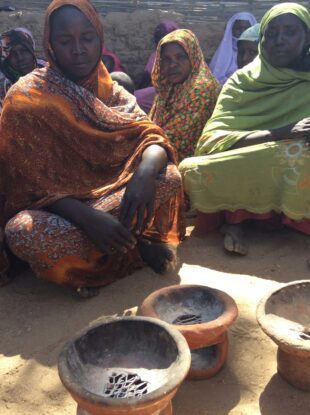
{"x": 97, "y": 178}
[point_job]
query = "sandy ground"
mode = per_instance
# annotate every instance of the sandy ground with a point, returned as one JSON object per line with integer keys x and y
{"x": 37, "y": 318}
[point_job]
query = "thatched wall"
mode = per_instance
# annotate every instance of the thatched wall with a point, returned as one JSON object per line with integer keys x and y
{"x": 129, "y": 24}
{"x": 193, "y": 10}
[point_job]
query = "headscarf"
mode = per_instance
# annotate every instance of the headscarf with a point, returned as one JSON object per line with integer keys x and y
{"x": 182, "y": 110}
{"x": 27, "y": 32}
{"x": 63, "y": 139}
{"x": 258, "y": 96}
{"x": 11, "y": 38}
{"x": 118, "y": 67}
{"x": 294, "y": 8}
{"x": 224, "y": 61}
{"x": 8, "y": 40}
{"x": 40, "y": 62}
{"x": 251, "y": 34}
{"x": 162, "y": 29}
{"x": 92, "y": 82}
{"x": 8, "y": 75}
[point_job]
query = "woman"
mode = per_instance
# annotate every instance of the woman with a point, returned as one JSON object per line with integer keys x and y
{"x": 186, "y": 90}
{"x": 146, "y": 94}
{"x": 111, "y": 61}
{"x": 247, "y": 46}
{"x": 224, "y": 61}
{"x": 253, "y": 156}
{"x": 96, "y": 176}
{"x": 17, "y": 58}
{"x": 162, "y": 29}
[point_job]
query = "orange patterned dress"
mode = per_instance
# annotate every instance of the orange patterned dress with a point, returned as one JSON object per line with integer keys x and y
{"x": 62, "y": 139}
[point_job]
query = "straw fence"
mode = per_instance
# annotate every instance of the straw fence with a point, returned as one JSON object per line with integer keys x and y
{"x": 192, "y": 10}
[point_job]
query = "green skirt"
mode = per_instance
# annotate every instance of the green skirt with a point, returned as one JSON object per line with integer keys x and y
{"x": 274, "y": 176}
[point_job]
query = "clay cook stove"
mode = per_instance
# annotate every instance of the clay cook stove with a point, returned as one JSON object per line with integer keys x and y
{"x": 284, "y": 315}
{"x": 130, "y": 365}
{"x": 203, "y": 315}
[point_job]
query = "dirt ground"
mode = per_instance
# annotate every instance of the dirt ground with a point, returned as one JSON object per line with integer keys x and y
{"x": 36, "y": 318}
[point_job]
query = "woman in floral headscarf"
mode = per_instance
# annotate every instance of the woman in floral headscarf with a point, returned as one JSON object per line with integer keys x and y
{"x": 186, "y": 90}
{"x": 90, "y": 191}
{"x": 17, "y": 58}
{"x": 146, "y": 93}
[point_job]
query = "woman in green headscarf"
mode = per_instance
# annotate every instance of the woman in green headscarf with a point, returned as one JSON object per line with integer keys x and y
{"x": 252, "y": 160}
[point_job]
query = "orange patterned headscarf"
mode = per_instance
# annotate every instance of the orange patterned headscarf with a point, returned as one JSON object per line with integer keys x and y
{"x": 61, "y": 139}
{"x": 99, "y": 77}
{"x": 84, "y": 6}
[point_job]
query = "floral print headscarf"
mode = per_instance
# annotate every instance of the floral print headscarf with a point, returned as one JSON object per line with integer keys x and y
{"x": 182, "y": 110}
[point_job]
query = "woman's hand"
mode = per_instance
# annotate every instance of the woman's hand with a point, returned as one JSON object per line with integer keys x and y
{"x": 139, "y": 201}
{"x": 103, "y": 229}
{"x": 302, "y": 130}
{"x": 108, "y": 233}
{"x": 139, "y": 197}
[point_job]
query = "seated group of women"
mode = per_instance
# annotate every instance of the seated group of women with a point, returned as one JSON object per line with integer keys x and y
{"x": 89, "y": 186}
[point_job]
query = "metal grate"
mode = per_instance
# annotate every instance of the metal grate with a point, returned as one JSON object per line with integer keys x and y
{"x": 186, "y": 319}
{"x": 125, "y": 385}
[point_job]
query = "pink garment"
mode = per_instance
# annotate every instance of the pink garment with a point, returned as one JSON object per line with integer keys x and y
{"x": 145, "y": 98}
{"x": 150, "y": 63}
{"x": 118, "y": 67}
{"x": 207, "y": 222}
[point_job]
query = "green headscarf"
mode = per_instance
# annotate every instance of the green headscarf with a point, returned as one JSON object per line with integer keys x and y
{"x": 258, "y": 96}
{"x": 294, "y": 8}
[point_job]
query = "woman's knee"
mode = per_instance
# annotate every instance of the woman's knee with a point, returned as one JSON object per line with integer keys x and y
{"x": 29, "y": 231}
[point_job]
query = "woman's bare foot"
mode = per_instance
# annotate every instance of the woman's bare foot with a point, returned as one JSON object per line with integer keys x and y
{"x": 156, "y": 255}
{"x": 234, "y": 239}
{"x": 87, "y": 292}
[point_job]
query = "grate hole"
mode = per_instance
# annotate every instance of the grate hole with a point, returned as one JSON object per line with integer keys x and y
{"x": 125, "y": 385}
{"x": 187, "y": 319}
